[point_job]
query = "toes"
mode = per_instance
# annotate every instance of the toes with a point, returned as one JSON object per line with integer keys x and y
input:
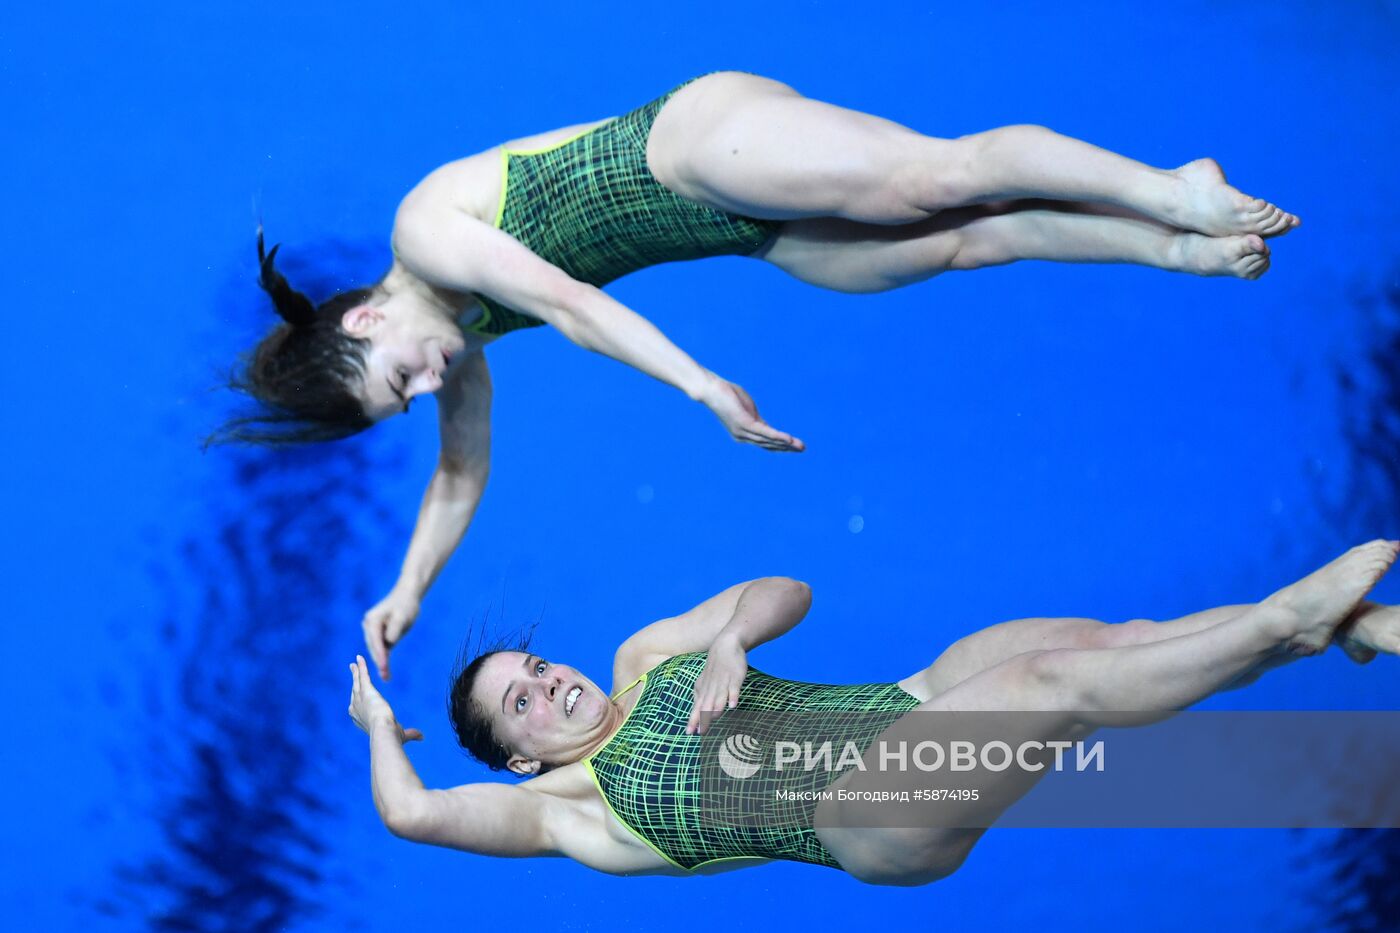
{"x": 1280, "y": 223}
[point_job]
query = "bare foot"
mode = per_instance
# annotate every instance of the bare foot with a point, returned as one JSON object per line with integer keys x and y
{"x": 1245, "y": 257}
{"x": 1208, "y": 205}
{"x": 1372, "y": 629}
{"x": 1316, "y": 605}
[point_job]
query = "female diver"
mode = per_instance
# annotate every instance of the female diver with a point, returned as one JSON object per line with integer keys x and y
{"x": 523, "y": 234}
{"x": 615, "y": 782}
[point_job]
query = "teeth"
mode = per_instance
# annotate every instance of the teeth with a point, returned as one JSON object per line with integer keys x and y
{"x": 571, "y": 699}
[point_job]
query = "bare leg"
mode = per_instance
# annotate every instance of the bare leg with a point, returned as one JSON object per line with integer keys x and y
{"x": 855, "y": 257}
{"x": 1077, "y": 232}
{"x": 714, "y": 142}
{"x": 1372, "y": 629}
{"x": 1092, "y": 687}
{"x": 1034, "y": 162}
{"x": 988, "y": 647}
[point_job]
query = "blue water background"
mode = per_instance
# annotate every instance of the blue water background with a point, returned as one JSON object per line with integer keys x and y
{"x": 1035, "y": 440}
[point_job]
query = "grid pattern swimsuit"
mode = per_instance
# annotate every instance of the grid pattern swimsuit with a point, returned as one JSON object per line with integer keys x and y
{"x": 591, "y": 206}
{"x": 650, "y": 772}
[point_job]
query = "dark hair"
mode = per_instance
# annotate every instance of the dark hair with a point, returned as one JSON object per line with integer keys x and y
{"x": 304, "y": 373}
{"x": 470, "y": 720}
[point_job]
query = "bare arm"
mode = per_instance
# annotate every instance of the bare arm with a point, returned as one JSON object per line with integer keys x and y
{"x": 489, "y": 819}
{"x": 726, "y": 626}
{"x": 464, "y": 424}
{"x": 745, "y": 615}
{"x": 455, "y": 251}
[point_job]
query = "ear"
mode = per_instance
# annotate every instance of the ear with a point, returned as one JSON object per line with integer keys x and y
{"x": 360, "y": 320}
{"x": 523, "y": 766}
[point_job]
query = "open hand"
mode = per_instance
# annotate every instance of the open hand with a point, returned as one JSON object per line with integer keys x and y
{"x": 733, "y": 406}
{"x": 368, "y": 707}
{"x": 717, "y": 687}
{"x": 385, "y": 624}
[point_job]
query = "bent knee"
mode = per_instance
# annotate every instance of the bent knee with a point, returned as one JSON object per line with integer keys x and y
{"x": 908, "y": 858}
{"x": 936, "y": 174}
{"x": 1050, "y": 674}
{"x": 930, "y": 174}
{"x": 1132, "y": 632}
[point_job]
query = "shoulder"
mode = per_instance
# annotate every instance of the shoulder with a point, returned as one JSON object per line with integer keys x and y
{"x": 471, "y": 184}
{"x": 450, "y": 199}
{"x": 632, "y": 659}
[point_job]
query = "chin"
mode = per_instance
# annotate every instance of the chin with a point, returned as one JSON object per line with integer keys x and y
{"x": 588, "y": 711}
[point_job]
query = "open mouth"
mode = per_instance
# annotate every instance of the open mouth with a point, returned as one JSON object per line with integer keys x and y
{"x": 572, "y": 699}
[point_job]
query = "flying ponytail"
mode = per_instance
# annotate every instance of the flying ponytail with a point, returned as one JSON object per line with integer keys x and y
{"x": 306, "y": 374}
{"x": 294, "y": 307}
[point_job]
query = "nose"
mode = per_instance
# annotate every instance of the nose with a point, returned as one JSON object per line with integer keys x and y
{"x": 428, "y": 382}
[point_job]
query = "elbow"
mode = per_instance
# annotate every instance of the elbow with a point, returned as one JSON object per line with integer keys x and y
{"x": 571, "y": 315}
{"x": 793, "y": 592}
{"x": 404, "y": 820}
{"x": 469, "y": 468}
{"x": 403, "y": 826}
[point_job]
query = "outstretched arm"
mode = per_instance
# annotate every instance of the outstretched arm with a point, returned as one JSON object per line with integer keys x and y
{"x": 455, "y": 251}
{"x": 489, "y": 819}
{"x": 726, "y": 626}
{"x": 464, "y": 425}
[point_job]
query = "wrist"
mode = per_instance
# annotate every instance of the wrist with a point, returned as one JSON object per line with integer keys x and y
{"x": 702, "y": 389}
{"x": 410, "y": 587}
{"x": 727, "y": 640}
{"x": 385, "y": 725}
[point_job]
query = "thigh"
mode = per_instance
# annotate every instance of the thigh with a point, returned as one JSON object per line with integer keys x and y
{"x": 849, "y": 256}
{"x": 984, "y": 649}
{"x": 890, "y": 840}
{"x": 754, "y": 146}
{"x": 898, "y": 857}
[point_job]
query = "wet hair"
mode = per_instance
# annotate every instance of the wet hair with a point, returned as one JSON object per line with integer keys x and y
{"x": 470, "y": 720}
{"x": 303, "y": 374}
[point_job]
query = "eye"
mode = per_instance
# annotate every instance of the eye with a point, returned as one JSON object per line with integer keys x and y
{"x": 520, "y": 705}
{"x": 539, "y": 668}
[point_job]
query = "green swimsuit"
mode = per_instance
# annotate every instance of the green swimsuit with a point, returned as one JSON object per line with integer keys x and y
{"x": 650, "y": 772}
{"x": 591, "y": 206}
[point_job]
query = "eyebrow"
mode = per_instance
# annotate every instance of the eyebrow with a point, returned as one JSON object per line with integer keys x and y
{"x": 395, "y": 390}
{"x": 511, "y": 686}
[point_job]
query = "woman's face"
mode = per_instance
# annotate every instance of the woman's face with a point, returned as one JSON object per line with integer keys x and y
{"x": 409, "y": 354}
{"x": 543, "y": 711}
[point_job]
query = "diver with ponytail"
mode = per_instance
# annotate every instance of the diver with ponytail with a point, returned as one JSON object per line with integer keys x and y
{"x": 727, "y": 164}
{"x": 305, "y": 373}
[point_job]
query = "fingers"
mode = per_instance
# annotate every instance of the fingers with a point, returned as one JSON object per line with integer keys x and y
{"x": 412, "y": 735}
{"x": 700, "y": 715}
{"x": 363, "y": 684}
{"x": 769, "y": 438}
{"x": 710, "y": 702}
{"x": 377, "y": 644}
{"x": 354, "y": 687}
{"x": 783, "y": 444}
